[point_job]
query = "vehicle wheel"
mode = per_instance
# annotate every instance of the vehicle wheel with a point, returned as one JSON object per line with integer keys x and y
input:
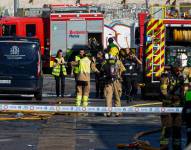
{"x": 38, "y": 95}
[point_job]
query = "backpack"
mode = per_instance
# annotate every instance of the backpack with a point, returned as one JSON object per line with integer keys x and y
{"x": 111, "y": 69}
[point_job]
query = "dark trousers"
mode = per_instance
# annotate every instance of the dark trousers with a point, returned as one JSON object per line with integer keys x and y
{"x": 130, "y": 86}
{"x": 171, "y": 127}
{"x": 76, "y": 80}
{"x": 60, "y": 79}
{"x": 186, "y": 114}
{"x": 99, "y": 86}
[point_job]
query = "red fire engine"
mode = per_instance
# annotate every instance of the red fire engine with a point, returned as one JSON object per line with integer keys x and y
{"x": 162, "y": 41}
{"x": 57, "y": 27}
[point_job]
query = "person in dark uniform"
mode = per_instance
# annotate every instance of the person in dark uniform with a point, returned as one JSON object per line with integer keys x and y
{"x": 99, "y": 76}
{"x": 59, "y": 72}
{"x": 186, "y": 114}
{"x": 130, "y": 77}
{"x": 172, "y": 96}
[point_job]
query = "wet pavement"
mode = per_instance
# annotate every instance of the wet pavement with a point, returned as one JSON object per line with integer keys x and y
{"x": 73, "y": 131}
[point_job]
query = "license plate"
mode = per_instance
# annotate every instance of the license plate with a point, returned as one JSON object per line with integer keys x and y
{"x": 5, "y": 81}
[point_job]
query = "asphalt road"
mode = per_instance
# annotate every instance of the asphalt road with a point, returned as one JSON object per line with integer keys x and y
{"x": 71, "y": 131}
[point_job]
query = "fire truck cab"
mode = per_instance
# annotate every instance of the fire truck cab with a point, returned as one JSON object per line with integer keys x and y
{"x": 57, "y": 27}
{"x": 23, "y": 27}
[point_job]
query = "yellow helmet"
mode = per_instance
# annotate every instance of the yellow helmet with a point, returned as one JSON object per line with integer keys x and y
{"x": 114, "y": 51}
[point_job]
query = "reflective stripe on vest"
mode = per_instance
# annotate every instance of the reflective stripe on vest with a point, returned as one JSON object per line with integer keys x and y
{"x": 56, "y": 69}
{"x": 84, "y": 66}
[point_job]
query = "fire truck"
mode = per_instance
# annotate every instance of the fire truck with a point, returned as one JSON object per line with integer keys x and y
{"x": 57, "y": 27}
{"x": 162, "y": 41}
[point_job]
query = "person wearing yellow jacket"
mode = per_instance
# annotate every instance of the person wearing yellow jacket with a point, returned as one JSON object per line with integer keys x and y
{"x": 59, "y": 72}
{"x": 83, "y": 79}
{"x": 76, "y": 67}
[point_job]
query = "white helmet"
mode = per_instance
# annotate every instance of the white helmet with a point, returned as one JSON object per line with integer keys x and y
{"x": 183, "y": 59}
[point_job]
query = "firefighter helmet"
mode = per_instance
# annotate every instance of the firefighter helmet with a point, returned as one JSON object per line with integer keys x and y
{"x": 114, "y": 51}
{"x": 181, "y": 60}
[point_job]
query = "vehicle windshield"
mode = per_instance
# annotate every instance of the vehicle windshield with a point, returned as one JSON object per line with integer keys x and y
{"x": 17, "y": 52}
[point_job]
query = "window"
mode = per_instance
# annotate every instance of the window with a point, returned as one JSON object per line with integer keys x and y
{"x": 9, "y": 30}
{"x": 16, "y": 52}
{"x": 30, "y": 30}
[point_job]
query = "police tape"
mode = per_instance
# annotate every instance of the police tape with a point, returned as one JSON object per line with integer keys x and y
{"x": 62, "y": 109}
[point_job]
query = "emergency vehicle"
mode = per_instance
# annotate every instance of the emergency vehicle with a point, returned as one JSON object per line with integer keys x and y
{"x": 57, "y": 27}
{"x": 162, "y": 42}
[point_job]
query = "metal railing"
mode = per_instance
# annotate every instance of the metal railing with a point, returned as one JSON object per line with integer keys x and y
{"x": 170, "y": 12}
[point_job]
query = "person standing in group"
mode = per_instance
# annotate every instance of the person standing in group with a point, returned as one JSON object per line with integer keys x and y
{"x": 130, "y": 77}
{"x": 112, "y": 69}
{"x": 186, "y": 114}
{"x": 98, "y": 76}
{"x": 59, "y": 72}
{"x": 76, "y": 67}
{"x": 83, "y": 78}
{"x": 111, "y": 44}
{"x": 171, "y": 88}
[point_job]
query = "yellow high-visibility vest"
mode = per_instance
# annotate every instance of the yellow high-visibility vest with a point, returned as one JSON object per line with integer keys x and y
{"x": 56, "y": 69}
{"x": 76, "y": 68}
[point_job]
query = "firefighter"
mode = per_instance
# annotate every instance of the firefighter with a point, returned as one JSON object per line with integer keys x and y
{"x": 172, "y": 96}
{"x": 130, "y": 77}
{"x": 186, "y": 114}
{"x": 93, "y": 43}
{"x": 112, "y": 69}
{"x": 76, "y": 67}
{"x": 112, "y": 45}
{"x": 99, "y": 76}
{"x": 59, "y": 72}
{"x": 85, "y": 65}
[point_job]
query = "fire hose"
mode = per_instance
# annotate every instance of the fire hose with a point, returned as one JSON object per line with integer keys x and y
{"x": 139, "y": 144}
{"x": 182, "y": 35}
{"x": 22, "y": 116}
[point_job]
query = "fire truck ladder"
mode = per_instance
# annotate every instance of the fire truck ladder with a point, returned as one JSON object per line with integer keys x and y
{"x": 156, "y": 55}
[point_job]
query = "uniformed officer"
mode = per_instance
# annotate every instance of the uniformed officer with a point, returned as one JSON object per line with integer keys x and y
{"x": 99, "y": 76}
{"x": 172, "y": 96}
{"x": 76, "y": 67}
{"x": 186, "y": 114}
{"x": 130, "y": 77}
{"x": 83, "y": 79}
{"x": 112, "y": 69}
{"x": 59, "y": 72}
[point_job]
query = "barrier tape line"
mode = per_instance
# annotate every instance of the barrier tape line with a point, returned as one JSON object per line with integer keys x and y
{"x": 49, "y": 108}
